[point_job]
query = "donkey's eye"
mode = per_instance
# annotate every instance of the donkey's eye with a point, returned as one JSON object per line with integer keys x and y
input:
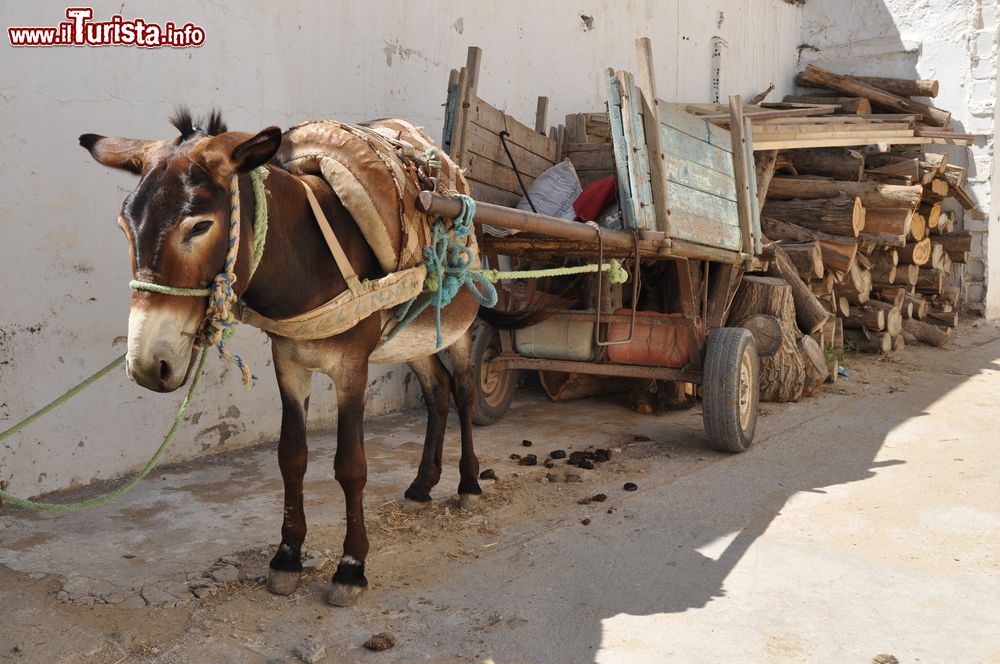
{"x": 199, "y": 229}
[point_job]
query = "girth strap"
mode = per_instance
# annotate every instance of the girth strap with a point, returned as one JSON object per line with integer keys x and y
{"x": 339, "y": 257}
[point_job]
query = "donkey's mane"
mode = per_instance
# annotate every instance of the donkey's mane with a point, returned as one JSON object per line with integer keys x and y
{"x": 185, "y": 123}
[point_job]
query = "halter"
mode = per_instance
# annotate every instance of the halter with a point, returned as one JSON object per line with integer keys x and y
{"x": 219, "y": 316}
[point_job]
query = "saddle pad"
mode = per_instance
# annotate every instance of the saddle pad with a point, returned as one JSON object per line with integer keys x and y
{"x": 373, "y": 169}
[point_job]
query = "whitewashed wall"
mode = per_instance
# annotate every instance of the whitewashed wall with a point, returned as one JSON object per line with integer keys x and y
{"x": 954, "y": 41}
{"x": 64, "y": 264}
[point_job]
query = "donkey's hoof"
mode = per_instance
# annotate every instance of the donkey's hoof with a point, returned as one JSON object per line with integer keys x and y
{"x": 344, "y": 594}
{"x": 283, "y": 583}
{"x": 411, "y": 506}
{"x": 468, "y": 501}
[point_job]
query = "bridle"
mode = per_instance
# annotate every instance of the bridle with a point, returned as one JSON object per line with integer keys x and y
{"x": 220, "y": 317}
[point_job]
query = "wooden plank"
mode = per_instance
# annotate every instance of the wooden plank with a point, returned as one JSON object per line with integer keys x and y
{"x": 805, "y": 134}
{"x": 843, "y": 127}
{"x": 675, "y": 117}
{"x": 586, "y": 177}
{"x": 499, "y": 175}
{"x": 847, "y": 142}
{"x": 461, "y": 118}
{"x": 591, "y": 160}
{"x": 689, "y": 174}
{"x": 618, "y": 143}
{"x": 751, "y": 170}
{"x": 486, "y": 193}
{"x": 698, "y": 218}
{"x": 486, "y": 144}
{"x": 654, "y": 139}
{"x": 541, "y": 111}
{"x": 495, "y": 120}
{"x": 697, "y": 151}
{"x": 745, "y": 203}
{"x": 635, "y": 143}
{"x": 449, "y": 111}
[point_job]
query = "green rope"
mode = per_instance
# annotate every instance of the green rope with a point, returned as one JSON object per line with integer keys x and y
{"x": 616, "y": 273}
{"x": 108, "y": 497}
{"x": 257, "y": 177}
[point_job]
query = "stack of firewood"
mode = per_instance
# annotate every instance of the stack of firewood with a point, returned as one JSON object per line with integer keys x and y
{"x": 859, "y": 237}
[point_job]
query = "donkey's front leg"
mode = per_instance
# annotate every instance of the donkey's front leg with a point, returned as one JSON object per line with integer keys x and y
{"x": 295, "y": 385}
{"x": 465, "y": 392}
{"x": 351, "y": 471}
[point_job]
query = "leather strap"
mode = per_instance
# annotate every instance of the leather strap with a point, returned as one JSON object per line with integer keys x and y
{"x": 339, "y": 257}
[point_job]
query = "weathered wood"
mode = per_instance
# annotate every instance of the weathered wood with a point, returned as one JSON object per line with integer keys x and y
{"x": 782, "y": 376}
{"x": 895, "y": 221}
{"x": 872, "y": 194}
{"x": 814, "y": 363}
{"x": 884, "y": 274}
{"x": 839, "y": 252}
{"x": 765, "y": 163}
{"x": 946, "y": 318}
{"x": 865, "y": 317}
{"x": 927, "y": 333}
{"x": 957, "y": 242}
{"x": 869, "y": 242}
{"x": 654, "y": 138}
{"x": 839, "y": 163}
{"x": 809, "y": 311}
{"x": 818, "y": 77}
{"x": 929, "y": 280}
{"x": 541, "y": 112}
{"x": 844, "y": 216}
{"x": 915, "y": 253}
{"x": 766, "y": 331}
{"x": 865, "y": 341}
{"x": 844, "y": 104}
{"x": 904, "y": 87}
{"x": 807, "y": 258}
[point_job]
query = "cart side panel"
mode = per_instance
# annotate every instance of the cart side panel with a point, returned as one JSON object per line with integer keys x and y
{"x": 631, "y": 156}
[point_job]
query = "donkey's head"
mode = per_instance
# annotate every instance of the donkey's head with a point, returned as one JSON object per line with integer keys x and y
{"x": 177, "y": 225}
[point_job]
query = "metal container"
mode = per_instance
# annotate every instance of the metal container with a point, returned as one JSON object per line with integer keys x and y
{"x": 660, "y": 340}
{"x": 557, "y": 339}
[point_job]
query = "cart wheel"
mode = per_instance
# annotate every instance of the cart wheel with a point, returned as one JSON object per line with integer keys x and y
{"x": 731, "y": 389}
{"x": 494, "y": 386}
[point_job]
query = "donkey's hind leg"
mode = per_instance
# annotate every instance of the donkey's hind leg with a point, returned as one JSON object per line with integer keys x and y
{"x": 436, "y": 386}
{"x": 464, "y": 388}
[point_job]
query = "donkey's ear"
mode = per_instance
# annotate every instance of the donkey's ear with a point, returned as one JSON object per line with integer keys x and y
{"x": 255, "y": 151}
{"x": 127, "y": 154}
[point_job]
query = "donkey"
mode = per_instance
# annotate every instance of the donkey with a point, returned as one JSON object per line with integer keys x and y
{"x": 176, "y": 222}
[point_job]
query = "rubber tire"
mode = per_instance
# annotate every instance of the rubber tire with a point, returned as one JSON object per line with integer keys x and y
{"x": 489, "y": 408}
{"x": 726, "y": 349}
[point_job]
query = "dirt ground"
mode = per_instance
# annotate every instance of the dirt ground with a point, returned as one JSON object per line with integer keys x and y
{"x": 863, "y": 522}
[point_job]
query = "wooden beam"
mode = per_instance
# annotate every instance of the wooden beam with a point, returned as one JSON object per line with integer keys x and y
{"x": 541, "y": 111}
{"x": 741, "y": 171}
{"x": 654, "y": 136}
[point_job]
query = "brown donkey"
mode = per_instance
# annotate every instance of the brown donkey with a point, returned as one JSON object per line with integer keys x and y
{"x": 176, "y": 222}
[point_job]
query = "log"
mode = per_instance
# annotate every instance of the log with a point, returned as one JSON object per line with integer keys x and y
{"x": 814, "y": 362}
{"x": 849, "y": 105}
{"x": 856, "y": 285}
{"x": 838, "y": 252}
{"x": 765, "y": 163}
{"x": 927, "y": 333}
{"x": 957, "y": 242}
{"x": 937, "y": 256}
{"x": 932, "y": 213}
{"x": 936, "y": 191}
{"x": 838, "y": 338}
{"x": 822, "y": 78}
{"x": 946, "y": 224}
{"x": 868, "y": 342}
{"x": 919, "y": 306}
{"x": 906, "y": 275}
{"x": 918, "y": 227}
{"x": 807, "y": 258}
{"x": 929, "y": 280}
{"x": 894, "y": 295}
{"x": 951, "y": 295}
{"x": 903, "y": 87}
{"x": 872, "y": 194}
{"x": 823, "y": 287}
{"x": 946, "y": 318}
{"x": 894, "y": 221}
{"x": 809, "y": 311}
{"x": 884, "y": 274}
{"x": 893, "y": 316}
{"x": 838, "y": 163}
{"x": 868, "y": 242}
{"x": 915, "y": 253}
{"x": 766, "y": 331}
{"x": 844, "y": 216}
{"x": 782, "y": 375}
{"x": 865, "y": 318}
{"x": 884, "y": 259}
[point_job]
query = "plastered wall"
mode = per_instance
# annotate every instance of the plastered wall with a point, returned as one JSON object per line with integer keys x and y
{"x": 64, "y": 264}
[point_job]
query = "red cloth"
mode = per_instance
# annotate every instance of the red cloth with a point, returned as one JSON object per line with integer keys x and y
{"x": 595, "y": 197}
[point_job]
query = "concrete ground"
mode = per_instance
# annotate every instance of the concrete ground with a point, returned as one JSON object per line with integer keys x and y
{"x": 864, "y": 521}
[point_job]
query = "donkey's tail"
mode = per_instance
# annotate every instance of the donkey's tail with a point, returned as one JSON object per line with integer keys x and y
{"x": 541, "y": 307}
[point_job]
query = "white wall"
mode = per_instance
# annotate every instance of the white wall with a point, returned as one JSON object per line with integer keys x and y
{"x": 64, "y": 264}
{"x": 954, "y": 41}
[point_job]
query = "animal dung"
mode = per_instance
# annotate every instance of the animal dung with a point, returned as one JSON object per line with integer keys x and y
{"x": 586, "y": 464}
{"x": 583, "y": 501}
{"x": 515, "y": 456}
{"x": 488, "y": 474}
{"x": 549, "y": 463}
{"x": 585, "y": 522}
{"x": 557, "y": 454}
{"x": 630, "y": 486}
{"x": 599, "y": 498}
{"x": 528, "y": 460}
{"x": 380, "y": 641}
{"x": 527, "y": 443}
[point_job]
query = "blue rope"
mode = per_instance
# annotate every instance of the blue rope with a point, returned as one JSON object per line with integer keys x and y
{"x": 450, "y": 265}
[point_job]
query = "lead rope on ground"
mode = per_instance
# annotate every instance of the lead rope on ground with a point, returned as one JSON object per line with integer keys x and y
{"x": 103, "y": 499}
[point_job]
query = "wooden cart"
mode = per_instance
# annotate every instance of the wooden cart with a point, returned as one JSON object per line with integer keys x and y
{"x": 687, "y": 193}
